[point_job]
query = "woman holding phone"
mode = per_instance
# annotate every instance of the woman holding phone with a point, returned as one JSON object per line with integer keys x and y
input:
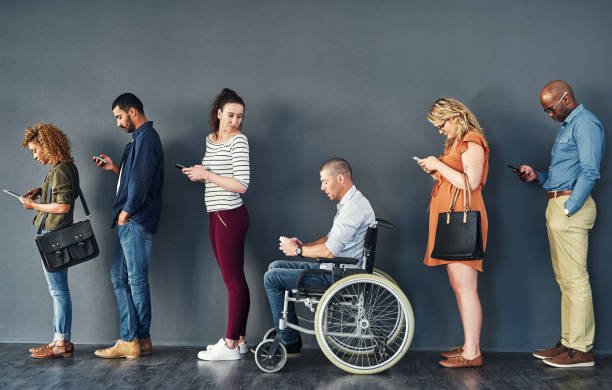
{"x": 50, "y": 146}
{"x": 466, "y": 152}
{"x": 225, "y": 170}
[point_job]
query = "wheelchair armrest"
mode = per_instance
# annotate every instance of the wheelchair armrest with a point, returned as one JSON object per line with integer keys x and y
{"x": 309, "y": 271}
{"x": 338, "y": 260}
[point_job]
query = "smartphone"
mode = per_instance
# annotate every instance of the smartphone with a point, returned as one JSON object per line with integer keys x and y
{"x": 515, "y": 169}
{"x": 415, "y": 158}
{"x": 12, "y": 193}
{"x": 179, "y": 166}
{"x": 99, "y": 159}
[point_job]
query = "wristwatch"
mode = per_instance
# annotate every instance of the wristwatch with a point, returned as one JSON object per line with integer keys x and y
{"x": 298, "y": 251}
{"x": 566, "y": 211}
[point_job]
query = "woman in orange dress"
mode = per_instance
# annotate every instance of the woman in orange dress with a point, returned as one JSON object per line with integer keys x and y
{"x": 466, "y": 151}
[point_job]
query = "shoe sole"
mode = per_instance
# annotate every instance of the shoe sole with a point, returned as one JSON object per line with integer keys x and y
{"x": 116, "y": 357}
{"x": 542, "y": 357}
{"x": 574, "y": 365}
{"x": 66, "y": 355}
{"x": 219, "y": 360}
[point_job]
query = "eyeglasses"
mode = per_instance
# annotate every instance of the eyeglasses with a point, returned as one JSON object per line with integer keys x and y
{"x": 551, "y": 110}
{"x": 441, "y": 126}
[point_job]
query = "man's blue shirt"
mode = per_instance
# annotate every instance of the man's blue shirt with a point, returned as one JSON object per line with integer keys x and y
{"x": 141, "y": 179}
{"x": 575, "y": 157}
{"x": 353, "y": 217}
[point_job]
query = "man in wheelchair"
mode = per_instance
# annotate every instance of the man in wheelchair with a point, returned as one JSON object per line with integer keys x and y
{"x": 345, "y": 239}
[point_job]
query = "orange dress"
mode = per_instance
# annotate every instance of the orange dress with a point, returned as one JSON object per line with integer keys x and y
{"x": 442, "y": 193}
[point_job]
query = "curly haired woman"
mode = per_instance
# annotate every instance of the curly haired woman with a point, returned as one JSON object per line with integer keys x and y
{"x": 50, "y": 146}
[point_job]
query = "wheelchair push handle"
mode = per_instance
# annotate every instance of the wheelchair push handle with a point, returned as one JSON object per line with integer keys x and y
{"x": 384, "y": 223}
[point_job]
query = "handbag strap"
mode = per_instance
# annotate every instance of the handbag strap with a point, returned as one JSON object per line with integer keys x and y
{"x": 467, "y": 199}
{"x": 75, "y": 176}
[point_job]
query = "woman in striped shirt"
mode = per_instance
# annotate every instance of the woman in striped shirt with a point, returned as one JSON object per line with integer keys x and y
{"x": 225, "y": 171}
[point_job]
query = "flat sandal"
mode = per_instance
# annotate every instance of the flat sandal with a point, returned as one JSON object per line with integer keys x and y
{"x": 56, "y": 351}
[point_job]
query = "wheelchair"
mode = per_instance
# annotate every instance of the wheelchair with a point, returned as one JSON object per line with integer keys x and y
{"x": 363, "y": 322}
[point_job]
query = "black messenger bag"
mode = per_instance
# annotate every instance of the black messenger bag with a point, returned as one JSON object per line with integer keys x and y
{"x": 459, "y": 234}
{"x": 68, "y": 246}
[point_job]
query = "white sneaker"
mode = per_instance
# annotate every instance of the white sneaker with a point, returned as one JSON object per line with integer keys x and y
{"x": 241, "y": 346}
{"x": 220, "y": 351}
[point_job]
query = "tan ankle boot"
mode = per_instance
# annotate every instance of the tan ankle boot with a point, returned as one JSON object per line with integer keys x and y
{"x": 126, "y": 349}
{"x": 146, "y": 348}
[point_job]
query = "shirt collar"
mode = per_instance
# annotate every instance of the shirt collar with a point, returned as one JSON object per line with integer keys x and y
{"x": 141, "y": 129}
{"x": 349, "y": 194}
{"x": 573, "y": 114}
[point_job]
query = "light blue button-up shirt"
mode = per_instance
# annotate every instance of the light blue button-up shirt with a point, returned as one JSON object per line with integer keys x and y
{"x": 346, "y": 237}
{"x": 575, "y": 157}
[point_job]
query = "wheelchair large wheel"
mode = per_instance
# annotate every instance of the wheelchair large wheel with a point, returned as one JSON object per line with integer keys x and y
{"x": 270, "y": 334}
{"x": 364, "y": 324}
{"x": 385, "y": 275}
{"x": 267, "y": 362}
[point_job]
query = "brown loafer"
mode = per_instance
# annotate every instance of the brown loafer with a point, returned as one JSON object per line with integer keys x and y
{"x": 56, "y": 351}
{"x": 452, "y": 352}
{"x": 460, "y": 362}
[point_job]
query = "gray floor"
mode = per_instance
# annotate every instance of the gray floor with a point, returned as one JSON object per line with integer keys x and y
{"x": 178, "y": 368}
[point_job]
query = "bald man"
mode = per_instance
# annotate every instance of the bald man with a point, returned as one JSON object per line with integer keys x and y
{"x": 573, "y": 171}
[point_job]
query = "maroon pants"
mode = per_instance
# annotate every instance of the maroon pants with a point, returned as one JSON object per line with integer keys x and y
{"x": 228, "y": 230}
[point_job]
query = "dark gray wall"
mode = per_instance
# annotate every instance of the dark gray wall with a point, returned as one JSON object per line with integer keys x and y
{"x": 320, "y": 79}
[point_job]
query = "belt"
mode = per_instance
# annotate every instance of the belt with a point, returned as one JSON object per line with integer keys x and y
{"x": 556, "y": 194}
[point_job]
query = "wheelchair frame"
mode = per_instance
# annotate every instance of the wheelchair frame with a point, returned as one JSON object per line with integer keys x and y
{"x": 270, "y": 349}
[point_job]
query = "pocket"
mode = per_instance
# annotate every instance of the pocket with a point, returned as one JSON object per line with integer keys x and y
{"x": 584, "y": 218}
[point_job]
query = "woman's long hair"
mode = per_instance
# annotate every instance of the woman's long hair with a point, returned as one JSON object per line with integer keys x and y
{"x": 446, "y": 108}
{"x": 225, "y": 96}
{"x": 54, "y": 142}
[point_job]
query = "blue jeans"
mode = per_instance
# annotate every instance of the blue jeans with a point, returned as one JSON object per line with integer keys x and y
{"x": 281, "y": 276}
{"x": 130, "y": 277}
{"x": 62, "y": 303}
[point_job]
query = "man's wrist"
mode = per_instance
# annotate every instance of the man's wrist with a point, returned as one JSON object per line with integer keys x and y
{"x": 298, "y": 251}
{"x": 566, "y": 211}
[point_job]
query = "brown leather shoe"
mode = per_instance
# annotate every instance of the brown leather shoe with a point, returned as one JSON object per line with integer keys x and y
{"x": 570, "y": 358}
{"x": 46, "y": 346}
{"x": 121, "y": 349}
{"x": 452, "y": 352}
{"x": 550, "y": 352}
{"x": 146, "y": 348}
{"x": 459, "y": 362}
{"x": 65, "y": 350}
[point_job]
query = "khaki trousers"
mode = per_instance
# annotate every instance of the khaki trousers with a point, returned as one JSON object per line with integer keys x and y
{"x": 569, "y": 241}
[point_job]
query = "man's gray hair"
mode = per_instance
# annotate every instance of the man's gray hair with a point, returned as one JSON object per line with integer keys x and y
{"x": 336, "y": 166}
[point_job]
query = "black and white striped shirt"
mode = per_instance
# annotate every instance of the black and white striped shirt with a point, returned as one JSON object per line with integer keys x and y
{"x": 229, "y": 159}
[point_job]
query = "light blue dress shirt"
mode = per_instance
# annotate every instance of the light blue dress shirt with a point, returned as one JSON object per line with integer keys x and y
{"x": 346, "y": 237}
{"x": 575, "y": 158}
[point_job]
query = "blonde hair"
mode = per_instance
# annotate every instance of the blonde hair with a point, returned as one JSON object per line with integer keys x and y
{"x": 446, "y": 108}
{"x": 54, "y": 142}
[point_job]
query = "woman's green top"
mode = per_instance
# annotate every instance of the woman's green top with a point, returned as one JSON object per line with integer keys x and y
{"x": 60, "y": 183}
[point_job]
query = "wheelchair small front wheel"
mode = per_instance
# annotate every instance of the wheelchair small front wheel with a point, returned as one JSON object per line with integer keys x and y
{"x": 267, "y": 362}
{"x": 270, "y": 334}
